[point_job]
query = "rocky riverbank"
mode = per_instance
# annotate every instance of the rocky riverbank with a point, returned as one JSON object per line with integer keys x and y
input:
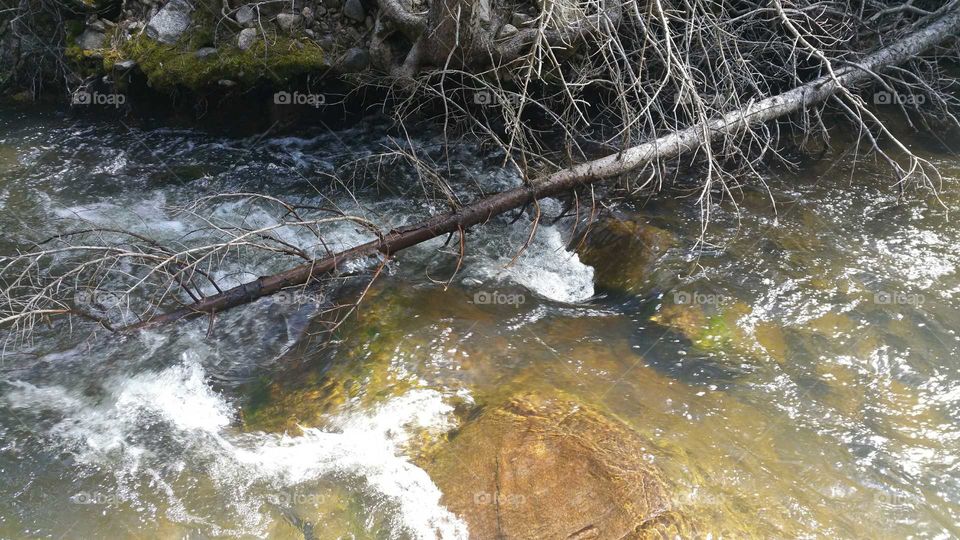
{"x": 201, "y": 48}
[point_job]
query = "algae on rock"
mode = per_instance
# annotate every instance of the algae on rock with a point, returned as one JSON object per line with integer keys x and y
{"x": 542, "y": 466}
{"x": 622, "y": 252}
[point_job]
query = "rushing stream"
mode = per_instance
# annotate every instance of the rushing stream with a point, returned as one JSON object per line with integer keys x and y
{"x": 813, "y": 392}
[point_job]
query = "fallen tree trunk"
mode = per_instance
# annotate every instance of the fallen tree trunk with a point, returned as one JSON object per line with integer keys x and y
{"x": 947, "y": 26}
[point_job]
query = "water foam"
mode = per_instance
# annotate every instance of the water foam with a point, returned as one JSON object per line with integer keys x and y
{"x": 367, "y": 447}
{"x": 546, "y": 266}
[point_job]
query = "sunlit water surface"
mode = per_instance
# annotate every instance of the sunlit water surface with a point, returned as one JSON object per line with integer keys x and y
{"x": 808, "y": 404}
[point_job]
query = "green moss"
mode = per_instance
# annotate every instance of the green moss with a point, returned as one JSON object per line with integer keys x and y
{"x": 168, "y": 67}
{"x": 360, "y": 371}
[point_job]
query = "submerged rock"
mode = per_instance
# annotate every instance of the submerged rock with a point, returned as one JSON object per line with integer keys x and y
{"x": 549, "y": 467}
{"x": 321, "y": 380}
{"x": 170, "y": 22}
{"x": 719, "y": 331}
{"x": 622, "y": 251}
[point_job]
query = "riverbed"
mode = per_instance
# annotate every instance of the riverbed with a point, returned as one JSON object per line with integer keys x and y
{"x": 794, "y": 368}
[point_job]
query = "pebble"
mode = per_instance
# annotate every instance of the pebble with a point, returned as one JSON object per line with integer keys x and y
{"x": 246, "y": 38}
{"x": 354, "y": 10}
{"x": 204, "y": 52}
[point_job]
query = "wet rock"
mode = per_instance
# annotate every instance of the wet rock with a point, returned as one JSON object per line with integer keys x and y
{"x": 205, "y": 52}
{"x": 549, "y": 467}
{"x": 720, "y": 331}
{"x": 355, "y": 59}
{"x": 320, "y": 381}
{"x": 246, "y": 16}
{"x": 170, "y": 22}
{"x": 622, "y": 252}
{"x": 520, "y": 19}
{"x": 353, "y": 9}
{"x": 125, "y": 65}
{"x": 227, "y": 83}
{"x": 246, "y": 39}
{"x": 97, "y": 25}
{"x": 327, "y": 43}
{"x": 90, "y": 39}
{"x": 289, "y": 22}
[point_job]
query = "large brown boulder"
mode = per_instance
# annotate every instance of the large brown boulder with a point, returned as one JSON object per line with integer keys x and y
{"x": 623, "y": 252}
{"x": 549, "y": 467}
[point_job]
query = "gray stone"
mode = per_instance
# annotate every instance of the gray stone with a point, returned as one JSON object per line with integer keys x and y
{"x": 356, "y": 59}
{"x": 310, "y": 33}
{"x": 245, "y": 16}
{"x": 332, "y": 4}
{"x": 327, "y": 43}
{"x": 354, "y": 10}
{"x": 170, "y": 22}
{"x": 321, "y": 11}
{"x": 90, "y": 39}
{"x": 246, "y": 39}
{"x": 125, "y": 65}
{"x": 520, "y": 19}
{"x": 205, "y": 52}
{"x": 508, "y": 30}
{"x": 97, "y": 25}
{"x": 307, "y": 13}
{"x": 226, "y": 83}
{"x": 289, "y": 22}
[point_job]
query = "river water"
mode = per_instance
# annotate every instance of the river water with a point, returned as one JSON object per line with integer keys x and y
{"x": 809, "y": 388}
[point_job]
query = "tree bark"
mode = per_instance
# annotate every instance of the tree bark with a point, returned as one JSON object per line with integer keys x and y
{"x": 668, "y": 146}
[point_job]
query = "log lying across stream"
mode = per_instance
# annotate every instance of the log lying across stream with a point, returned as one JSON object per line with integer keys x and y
{"x": 947, "y": 26}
